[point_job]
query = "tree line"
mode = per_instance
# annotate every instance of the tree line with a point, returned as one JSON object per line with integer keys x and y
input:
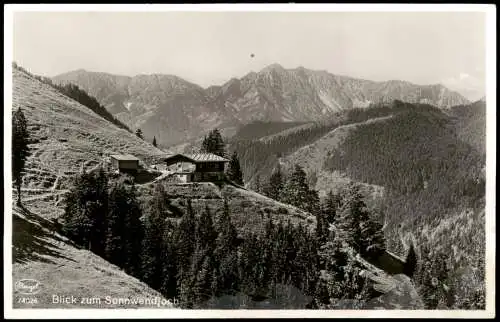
{"x": 259, "y": 157}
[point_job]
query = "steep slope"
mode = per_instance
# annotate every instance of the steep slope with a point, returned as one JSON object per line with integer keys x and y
{"x": 65, "y": 135}
{"x": 249, "y": 210}
{"x": 174, "y": 110}
{"x": 60, "y": 268}
{"x": 65, "y": 138}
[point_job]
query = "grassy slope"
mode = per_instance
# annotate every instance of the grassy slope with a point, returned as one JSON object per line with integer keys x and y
{"x": 66, "y": 136}
{"x": 249, "y": 210}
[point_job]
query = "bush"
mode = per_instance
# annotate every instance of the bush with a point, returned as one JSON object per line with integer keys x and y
{"x": 283, "y": 211}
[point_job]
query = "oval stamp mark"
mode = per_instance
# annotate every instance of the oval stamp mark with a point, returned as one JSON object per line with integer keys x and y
{"x": 27, "y": 286}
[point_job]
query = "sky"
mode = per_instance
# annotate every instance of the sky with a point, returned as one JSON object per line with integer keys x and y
{"x": 209, "y": 48}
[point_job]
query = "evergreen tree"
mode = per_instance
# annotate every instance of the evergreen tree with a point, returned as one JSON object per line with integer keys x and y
{"x": 117, "y": 202}
{"x": 411, "y": 261}
{"x": 330, "y": 207}
{"x": 133, "y": 233}
{"x": 74, "y": 217}
{"x": 356, "y": 226}
{"x": 153, "y": 243}
{"x": 85, "y": 211}
{"x": 218, "y": 143}
{"x": 257, "y": 184}
{"x": 225, "y": 253}
{"x": 321, "y": 228}
{"x": 342, "y": 279}
{"x": 234, "y": 171}
{"x": 154, "y": 141}
{"x": 349, "y": 217}
{"x": 186, "y": 242}
{"x": 169, "y": 262}
{"x": 250, "y": 268}
{"x": 20, "y": 150}
{"x": 296, "y": 191}
{"x": 372, "y": 236}
{"x": 203, "y": 262}
{"x": 205, "y": 230}
{"x": 203, "y": 277}
{"x": 274, "y": 188}
{"x": 99, "y": 229}
{"x": 138, "y": 132}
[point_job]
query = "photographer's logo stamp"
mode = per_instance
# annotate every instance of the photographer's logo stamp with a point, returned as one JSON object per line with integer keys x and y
{"x": 28, "y": 286}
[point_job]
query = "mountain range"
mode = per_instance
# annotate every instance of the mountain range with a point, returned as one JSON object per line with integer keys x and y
{"x": 175, "y": 110}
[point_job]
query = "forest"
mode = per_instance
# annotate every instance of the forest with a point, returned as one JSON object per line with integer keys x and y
{"x": 198, "y": 258}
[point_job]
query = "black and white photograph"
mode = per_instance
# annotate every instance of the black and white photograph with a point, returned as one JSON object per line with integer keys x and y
{"x": 241, "y": 160}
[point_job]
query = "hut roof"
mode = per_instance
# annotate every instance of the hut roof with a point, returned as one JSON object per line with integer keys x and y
{"x": 124, "y": 157}
{"x": 197, "y": 157}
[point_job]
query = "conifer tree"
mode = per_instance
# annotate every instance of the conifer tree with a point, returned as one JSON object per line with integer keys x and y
{"x": 250, "y": 266}
{"x": 205, "y": 230}
{"x": 321, "y": 228}
{"x": 133, "y": 233}
{"x": 154, "y": 141}
{"x": 296, "y": 191}
{"x": 20, "y": 150}
{"x": 138, "y": 132}
{"x": 274, "y": 188}
{"x": 411, "y": 261}
{"x": 349, "y": 217}
{"x": 169, "y": 262}
{"x": 257, "y": 184}
{"x": 117, "y": 201}
{"x": 213, "y": 143}
{"x": 85, "y": 211}
{"x": 234, "y": 170}
{"x": 330, "y": 207}
{"x": 225, "y": 253}
{"x": 372, "y": 236}
{"x": 203, "y": 278}
{"x": 186, "y": 242}
{"x": 218, "y": 143}
{"x": 99, "y": 229}
{"x": 153, "y": 243}
{"x": 356, "y": 226}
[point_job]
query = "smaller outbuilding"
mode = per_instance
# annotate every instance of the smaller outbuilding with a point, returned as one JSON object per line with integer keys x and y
{"x": 124, "y": 162}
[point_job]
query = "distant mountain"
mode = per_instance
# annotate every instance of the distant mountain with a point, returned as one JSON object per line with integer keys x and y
{"x": 175, "y": 110}
{"x": 470, "y": 86}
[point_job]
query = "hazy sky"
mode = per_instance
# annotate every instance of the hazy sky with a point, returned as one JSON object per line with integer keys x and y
{"x": 209, "y": 48}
